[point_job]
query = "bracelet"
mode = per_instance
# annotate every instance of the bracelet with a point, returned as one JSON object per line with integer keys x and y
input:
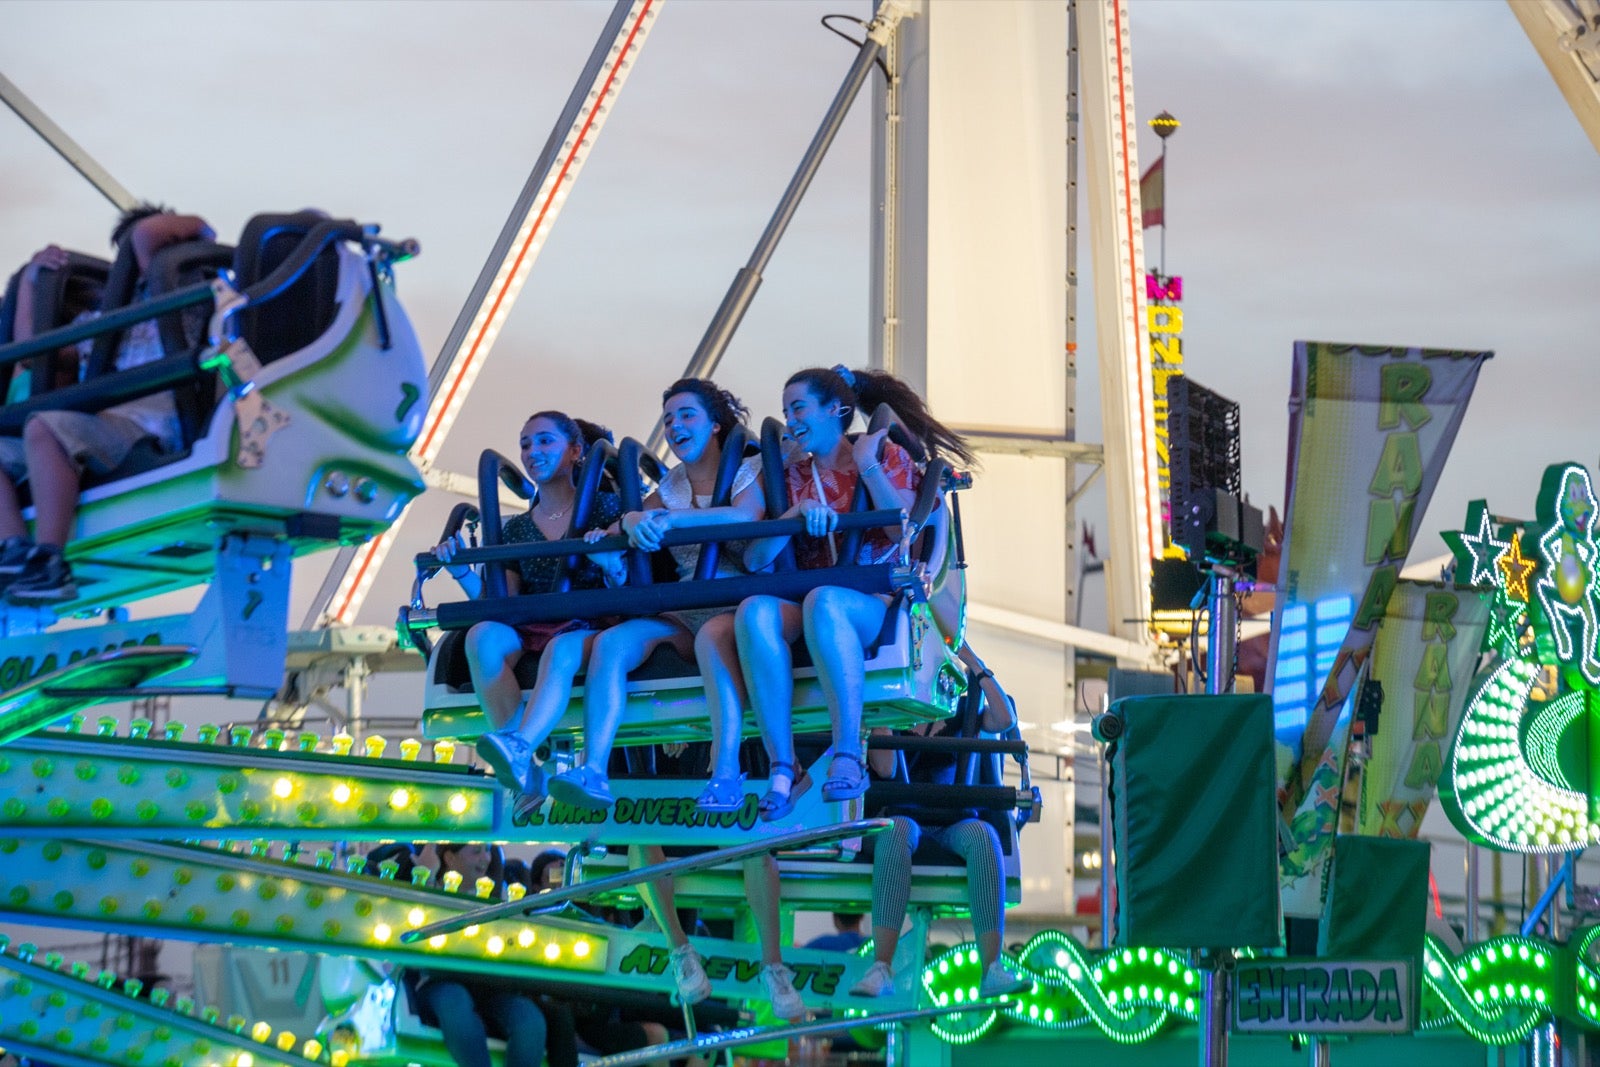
{"x": 459, "y": 575}
{"x": 869, "y": 470}
{"x": 979, "y": 676}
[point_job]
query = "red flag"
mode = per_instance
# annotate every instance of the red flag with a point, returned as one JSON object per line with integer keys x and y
{"x": 1153, "y": 194}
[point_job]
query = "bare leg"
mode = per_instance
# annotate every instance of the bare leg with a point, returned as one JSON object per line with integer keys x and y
{"x": 618, "y": 651}
{"x": 658, "y": 895}
{"x": 764, "y": 627}
{"x": 839, "y": 624}
{"x": 717, "y": 654}
{"x": 761, "y": 885}
{"x": 559, "y": 664}
{"x": 54, "y": 478}
{"x": 11, "y": 524}
{"x": 493, "y": 649}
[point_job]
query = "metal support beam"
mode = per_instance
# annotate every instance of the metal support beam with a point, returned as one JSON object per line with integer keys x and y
{"x": 69, "y": 150}
{"x": 1116, "y": 236}
{"x": 1567, "y": 38}
{"x": 525, "y": 232}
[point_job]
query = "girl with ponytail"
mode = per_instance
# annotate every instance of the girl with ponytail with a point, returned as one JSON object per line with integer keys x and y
{"x": 819, "y": 405}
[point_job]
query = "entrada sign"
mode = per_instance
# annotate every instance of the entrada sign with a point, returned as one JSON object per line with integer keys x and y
{"x": 1323, "y": 996}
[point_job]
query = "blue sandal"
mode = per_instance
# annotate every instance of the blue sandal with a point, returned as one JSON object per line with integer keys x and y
{"x": 582, "y": 788}
{"x": 845, "y": 786}
{"x": 722, "y": 795}
{"x": 775, "y": 805}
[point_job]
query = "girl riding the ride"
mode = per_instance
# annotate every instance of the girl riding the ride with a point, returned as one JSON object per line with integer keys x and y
{"x": 552, "y": 444}
{"x": 838, "y": 623}
{"x": 698, "y": 416}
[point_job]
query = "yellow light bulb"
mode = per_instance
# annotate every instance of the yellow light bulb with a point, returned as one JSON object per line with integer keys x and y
{"x": 282, "y": 788}
{"x": 457, "y": 803}
{"x": 495, "y": 945}
{"x": 244, "y": 1059}
{"x": 341, "y": 793}
{"x": 525, "y": 938}
{"x": 436, "y": 941}
{"x": 381, "y": 933}
{"x": 552, "y": 951}
{"x": 470, "y": 931}
{"x": 415, "y": 917}
{"x": 260, "y": 1032}
{"x": 400, "y": 798}
{"x": 581, "y": 950}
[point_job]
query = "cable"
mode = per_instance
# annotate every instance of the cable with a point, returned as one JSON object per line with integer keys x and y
{"x": 859, "y": 44}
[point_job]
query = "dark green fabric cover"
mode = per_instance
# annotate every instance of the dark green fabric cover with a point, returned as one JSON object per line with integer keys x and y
{"x": 1195, "y": 825}
{"x": 1377, "y": 903}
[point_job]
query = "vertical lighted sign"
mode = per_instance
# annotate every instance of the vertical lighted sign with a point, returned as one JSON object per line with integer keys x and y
{"x": 1164, "y": 322}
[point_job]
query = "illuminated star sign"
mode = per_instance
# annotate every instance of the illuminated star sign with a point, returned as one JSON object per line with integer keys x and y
{"x": 1514, "y": 570}
{"x": 1476, "y": 548}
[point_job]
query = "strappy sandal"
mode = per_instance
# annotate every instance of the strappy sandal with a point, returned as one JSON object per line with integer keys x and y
{"x": 775, "y": 805}
{"x": 845, "y": 786}
{"x": 535, "y": 788}
{"x": 582, "y": 788}
{"x": 722, "y": 795}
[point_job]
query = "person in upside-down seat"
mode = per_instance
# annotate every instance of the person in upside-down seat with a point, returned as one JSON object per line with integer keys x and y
{"x": 58, "y": 447}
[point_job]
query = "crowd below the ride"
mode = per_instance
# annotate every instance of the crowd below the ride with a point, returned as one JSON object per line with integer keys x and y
{"x": 743, "y": 652}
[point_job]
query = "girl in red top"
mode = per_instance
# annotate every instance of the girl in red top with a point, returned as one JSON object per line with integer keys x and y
{"x": 838, "y": 624}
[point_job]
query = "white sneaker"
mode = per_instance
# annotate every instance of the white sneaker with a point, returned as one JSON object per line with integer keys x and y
{"x": 786, "y": 1002}
{"x": 689, "y": 972}
{"x": 999, "y": 981}
{"x": 877, "y": 982}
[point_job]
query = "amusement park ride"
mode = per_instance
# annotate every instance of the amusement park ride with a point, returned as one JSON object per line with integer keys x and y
{"x": 313, "y": 420}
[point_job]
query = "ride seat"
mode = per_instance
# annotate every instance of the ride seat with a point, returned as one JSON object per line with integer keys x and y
{"x": 305, "y": 310}
{"x": 315, "y": 452}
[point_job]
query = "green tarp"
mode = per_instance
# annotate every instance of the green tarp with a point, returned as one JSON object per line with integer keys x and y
{"x": 1195, "y": 822}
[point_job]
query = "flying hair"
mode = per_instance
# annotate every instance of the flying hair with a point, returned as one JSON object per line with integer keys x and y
{"x": 865, "y": 389}
{"x": 875, "y": 387}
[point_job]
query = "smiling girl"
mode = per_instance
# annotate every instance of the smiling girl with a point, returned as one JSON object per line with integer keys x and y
{"x": 551, "y": 445}
{"x": 818, "y": 406}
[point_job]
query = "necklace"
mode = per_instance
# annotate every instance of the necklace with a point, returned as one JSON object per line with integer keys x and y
{"x": 552, "y": 516}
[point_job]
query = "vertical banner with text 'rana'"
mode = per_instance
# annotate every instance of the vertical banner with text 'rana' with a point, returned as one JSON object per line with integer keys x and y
{"x": 1425, "y": 657}
{"x": 1370, "y": 428}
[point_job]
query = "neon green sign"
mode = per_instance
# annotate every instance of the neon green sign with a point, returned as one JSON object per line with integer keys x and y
{"x": 1522, "y": 774}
